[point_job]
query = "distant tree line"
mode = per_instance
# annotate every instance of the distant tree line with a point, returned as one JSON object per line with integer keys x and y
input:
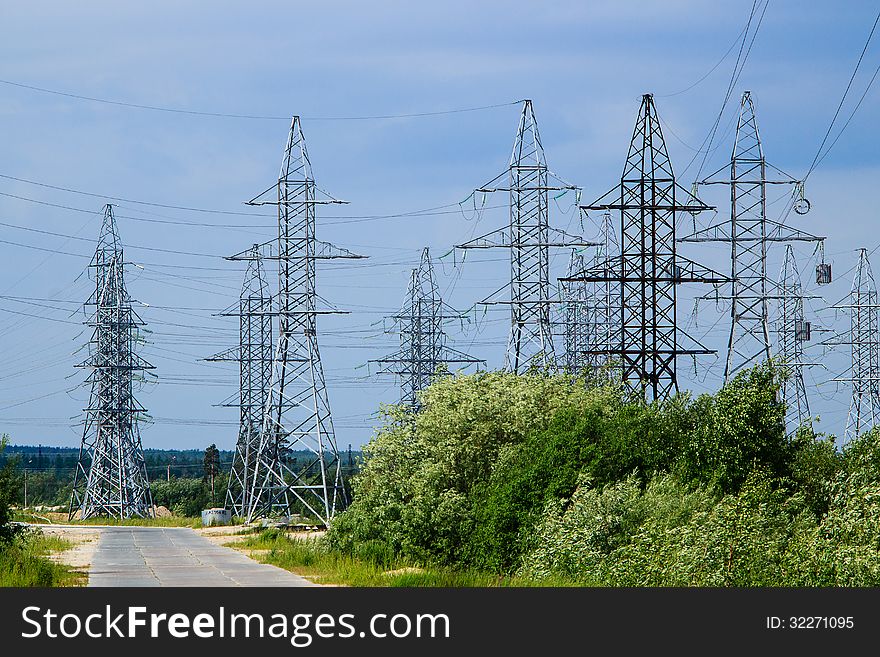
{"x": 181, "y": 480}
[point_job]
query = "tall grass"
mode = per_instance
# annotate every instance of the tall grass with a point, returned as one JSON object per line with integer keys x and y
{"x": 310, "y": 558}
{"x": 52, "y": 518}
{"x": 24, "y": 562}
{"x": 169, "y": 521}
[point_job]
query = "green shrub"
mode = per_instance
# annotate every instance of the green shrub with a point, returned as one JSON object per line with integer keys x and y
{"x": 415, "y": 492}
{"x": 183, "y": 496}
{"x": 671, "y": 535}
{"x": 556, "y": 479}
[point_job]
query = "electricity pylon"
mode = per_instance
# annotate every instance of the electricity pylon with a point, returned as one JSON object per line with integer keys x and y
{"x": 748, "y": 232}
{"x": 529, "y": 238}
{"x": 254, "y": 356}
{"x": 577, "y": 315}
{"x": 604, "y": 307}
{"x": 648, "y": 268}
{"x": 864, "y": 343}
{"x": 297, "y": 415}
{"x": 111, "y": 477}
{"x": 423, "y": 353}
{"x": 793, "y": 331}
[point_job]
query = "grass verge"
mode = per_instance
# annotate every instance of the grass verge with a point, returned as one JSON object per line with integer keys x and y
{"x": 170, "y": 521}
{"x": 24, "y": 562}
{"x": 311, "y": 559}
{"x": 61, "y": 519}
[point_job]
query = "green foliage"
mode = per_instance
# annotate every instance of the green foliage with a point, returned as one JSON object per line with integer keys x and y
{"x": 672, "y": 535}
{"x": 8, "y": 485}
{"x": 564, "y": 482}
{"x": 182, "y": 496}
{"x": 545, "y": 466}
{"x": 23, "y": 562}
{"x": 316, "y": 560}
{"x": 420, "y": 475}
{"x": 814, "y": 467}
{"x": 740, "y": 428}
{"x": 211, "y": 461}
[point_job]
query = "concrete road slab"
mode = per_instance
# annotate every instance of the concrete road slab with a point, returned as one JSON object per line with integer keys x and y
{"x": 177, "y": 556}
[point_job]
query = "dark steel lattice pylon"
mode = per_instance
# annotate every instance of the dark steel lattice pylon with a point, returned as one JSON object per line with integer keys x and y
{"x": 648, "y": 268}
{"x": 792, "y": 331}
{"x": 864, "y": 343}
{"x": 529, "y": 238}
{"x": 297, "y": 415}
{"x": 254, "y": 356}
{"x": 111, "y": 476}
{"x": 749, "y": 233}
{"x": 424, "y": 353}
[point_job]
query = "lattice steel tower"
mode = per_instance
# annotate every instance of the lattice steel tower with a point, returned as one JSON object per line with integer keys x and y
{"x": 577, "y": 327}
{"x": 604, "y": 306}
{"x": 864, "y": 373}
{"x": 648, "y": 268}
{"x": 748, "y": 232}
{"x": 529, "y": 238}
{"x": 111, "y": 477}
{"x": 297, "y": 415}
{"x": 254, "y": 356}
{"x": 423, "y": 353}
{"x": 793, "y": 331}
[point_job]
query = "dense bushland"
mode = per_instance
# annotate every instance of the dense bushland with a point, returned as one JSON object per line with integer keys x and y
{"x": 546, "y": 478}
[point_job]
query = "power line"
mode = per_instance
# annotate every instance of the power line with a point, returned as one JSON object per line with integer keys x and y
{"x": 734, "y": 77}
{"x": 256, "y": 117}
{"x": 843, "y": 98}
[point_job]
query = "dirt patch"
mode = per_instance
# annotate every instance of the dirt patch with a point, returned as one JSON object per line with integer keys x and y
{"x": 85, "y": 541}
{"x": 223, "y": 534}
{"x": 55, "y": 516}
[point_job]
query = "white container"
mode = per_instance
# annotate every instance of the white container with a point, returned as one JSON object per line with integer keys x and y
{"x": 216, "y": 517}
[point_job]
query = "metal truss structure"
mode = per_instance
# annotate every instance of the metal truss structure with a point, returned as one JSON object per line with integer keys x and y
{"x": 423, "y": 353}
{"x": 297, "y": 415}
{"x": 864, "y": 343}
{"x": 604, "y": 308}
{"x": 748, "y": 232}
{"x": 111, "y": 476}
{"x": 576, "y": 319}
{"x": 793, "y": 331}
{"x": 648, "y": 268}
{"x": 254, "y": 356}
{"x": 529, "y": 238}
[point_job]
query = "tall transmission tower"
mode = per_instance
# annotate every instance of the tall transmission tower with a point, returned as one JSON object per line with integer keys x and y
{"x": 749, "y": 232}
{"x": 111, "y": 477}
{"x": 423, "y": 352}
{"x": 254, "y": 356}
{"x": 529, "y": 238}
{"x": 793, "y": 332}
{"x": 604, "y": 309}
{"x": 297, "y": 416}
{"x": 648, "y": 268}
{"x": 577, "y": 319}
{"x": 864, "y": 343}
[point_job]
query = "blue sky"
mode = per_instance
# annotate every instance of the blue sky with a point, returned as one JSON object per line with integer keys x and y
{"x": 584, "y": 64}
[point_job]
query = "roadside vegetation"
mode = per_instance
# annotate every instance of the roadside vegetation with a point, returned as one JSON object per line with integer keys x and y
{"x": 24, "y": 562}
{"x": 24, "y": 551}
{"x": 539, "y": 479}
{"x": 313, "y": 559}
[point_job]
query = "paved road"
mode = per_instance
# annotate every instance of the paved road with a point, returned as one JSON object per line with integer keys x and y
{"x": 176, "y": 556}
